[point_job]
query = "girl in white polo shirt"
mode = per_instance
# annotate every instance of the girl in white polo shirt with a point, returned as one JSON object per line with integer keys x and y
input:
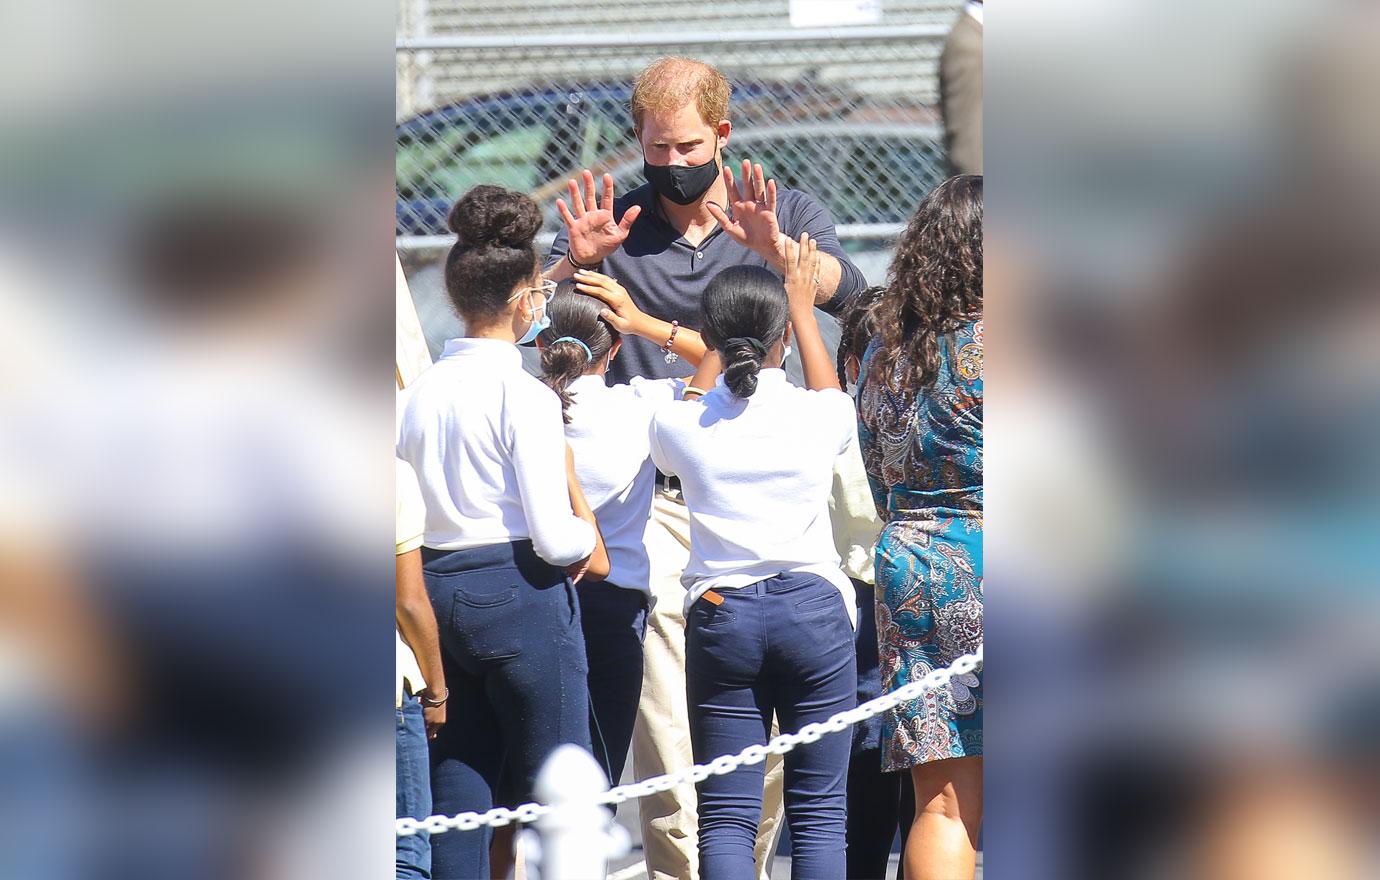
{"x": 767, "y": 630}
{"x": 503, "y": 538}
{"x": 606, "y": 427}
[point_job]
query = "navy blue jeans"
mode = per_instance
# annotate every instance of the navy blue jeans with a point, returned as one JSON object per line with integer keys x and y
{"x": 781, "y": 645}
{"x": 413, "y": 789}
{"x": 514, "y": 659}
{"x": 615, "y": 624}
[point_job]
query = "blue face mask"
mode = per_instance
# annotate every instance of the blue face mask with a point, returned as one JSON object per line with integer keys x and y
{"x": 537, "y": 326}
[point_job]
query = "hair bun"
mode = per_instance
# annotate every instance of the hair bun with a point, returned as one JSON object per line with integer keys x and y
{"x": 493, "y": 216}
{"x": 743, "y": 361}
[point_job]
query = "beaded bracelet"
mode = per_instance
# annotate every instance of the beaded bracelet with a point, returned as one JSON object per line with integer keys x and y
{"x": 671, "y": 356}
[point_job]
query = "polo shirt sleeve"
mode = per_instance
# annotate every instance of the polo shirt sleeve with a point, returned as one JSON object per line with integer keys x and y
{"x": 808, "y": 215}
{"x": 558, "y": 248}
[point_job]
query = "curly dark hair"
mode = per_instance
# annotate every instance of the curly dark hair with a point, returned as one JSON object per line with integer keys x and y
{"x": 934, "y": 286}
{"x": 493, "y": 251}
{"x": 857, "y": 326}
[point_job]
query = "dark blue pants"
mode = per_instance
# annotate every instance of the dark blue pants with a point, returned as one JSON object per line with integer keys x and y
{"x": 514, "y": 658}
{"x": 781, "y": 645}
{"x": 615, "y": 624}
{"x": 413, "y": 789}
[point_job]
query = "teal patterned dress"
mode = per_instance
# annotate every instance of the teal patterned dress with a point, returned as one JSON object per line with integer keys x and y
{"x": 924, "y": 460}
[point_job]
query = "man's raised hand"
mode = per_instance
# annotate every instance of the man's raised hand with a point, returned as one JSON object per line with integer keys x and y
{"x": 753, "y": 224}
{"x": 594, "y": 234}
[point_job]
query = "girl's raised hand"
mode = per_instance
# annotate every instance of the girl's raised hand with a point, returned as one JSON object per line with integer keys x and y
{"x": 622, "y": 312}
{"x": 802, "y": 273}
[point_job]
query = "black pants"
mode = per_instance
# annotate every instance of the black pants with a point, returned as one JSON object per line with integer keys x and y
{"x": 615, "y": 623}
{"x": 879, "y": 804}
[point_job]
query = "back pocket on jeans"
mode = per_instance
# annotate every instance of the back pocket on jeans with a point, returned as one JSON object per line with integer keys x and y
{"x": 487, "y": 614}
{"x": 828, "y": 602}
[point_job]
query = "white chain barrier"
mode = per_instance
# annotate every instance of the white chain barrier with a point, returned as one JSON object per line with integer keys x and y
{"x": 753, "y": 754}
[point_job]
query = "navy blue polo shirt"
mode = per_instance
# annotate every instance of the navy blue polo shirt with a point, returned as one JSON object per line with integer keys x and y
{"x": 666, "y": 276}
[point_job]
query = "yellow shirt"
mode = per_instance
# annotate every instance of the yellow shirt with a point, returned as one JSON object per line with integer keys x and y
{"x": 410, "y": 520}
{"x": 853, "y": 515}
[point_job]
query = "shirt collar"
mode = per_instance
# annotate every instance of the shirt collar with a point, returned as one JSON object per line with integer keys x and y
{"x": 589, "y": 381}
{"x": 495, "y": 349}
{"x": 659, "y": 213}
{"x": 768, "y": 380}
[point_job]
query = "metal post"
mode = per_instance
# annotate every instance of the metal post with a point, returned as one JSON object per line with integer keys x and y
{"x": 578, "y": 836}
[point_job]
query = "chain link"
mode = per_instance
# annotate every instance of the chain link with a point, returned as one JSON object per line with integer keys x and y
{"x": 847, "y": 115}
{"x": 753, "y": 754}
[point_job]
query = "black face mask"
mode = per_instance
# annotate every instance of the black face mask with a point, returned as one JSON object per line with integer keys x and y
{"x": 679, "y": 183}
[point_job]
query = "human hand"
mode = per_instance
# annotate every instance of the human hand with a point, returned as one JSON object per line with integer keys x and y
{"x": 622, "y": 312}
{"x": 802, "y": 274}
{"x": 753, "y": 224}
{"x": 594, "y": 234}
{"x": 577, "y": 570}
{"x": 435, "y": 719}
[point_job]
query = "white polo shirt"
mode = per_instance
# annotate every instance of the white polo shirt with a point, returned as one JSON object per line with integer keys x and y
{"x": 608, "y": 433}
{"x": 757, "y": 476}
{"x": 488, "y": 446}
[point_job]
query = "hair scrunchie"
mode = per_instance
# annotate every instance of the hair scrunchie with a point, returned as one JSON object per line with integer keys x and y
{"x": 751, "y": 342}
{"x": 589, "y": 355}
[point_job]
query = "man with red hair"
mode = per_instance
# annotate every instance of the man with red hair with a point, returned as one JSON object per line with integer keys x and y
{"x": 664, "y": 241}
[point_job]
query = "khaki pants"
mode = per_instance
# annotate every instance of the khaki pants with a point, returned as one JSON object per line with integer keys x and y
{"x": 661, "y": 737}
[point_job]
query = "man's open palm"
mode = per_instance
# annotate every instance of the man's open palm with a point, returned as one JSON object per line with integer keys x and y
{"x": 753, "y": 224}
{"x": 594, "y": 234}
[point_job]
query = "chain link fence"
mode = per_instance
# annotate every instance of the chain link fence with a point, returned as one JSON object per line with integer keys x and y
{"x": 526, "y": 93}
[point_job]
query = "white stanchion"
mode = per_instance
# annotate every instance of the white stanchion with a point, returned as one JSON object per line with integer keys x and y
{"x": 577, "y": 836}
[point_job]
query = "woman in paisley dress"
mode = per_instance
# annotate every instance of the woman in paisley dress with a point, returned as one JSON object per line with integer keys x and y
{"x": 920, "y": 423}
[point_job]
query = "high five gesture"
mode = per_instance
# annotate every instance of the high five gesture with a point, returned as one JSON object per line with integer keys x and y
{"x": 594, "y": 233}
{"x": 754, "y": 223}
{"x": 802, "y": 278}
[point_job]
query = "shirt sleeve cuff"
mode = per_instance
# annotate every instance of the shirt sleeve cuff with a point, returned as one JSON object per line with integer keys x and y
{"x": 579, "y": 544}
{"x": 851, "y": 282}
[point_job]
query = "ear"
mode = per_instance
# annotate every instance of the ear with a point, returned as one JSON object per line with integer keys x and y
{"x": 851, "y": 369}
{"x": 786, "y": 337}
{"x": 541, "y": 346}
{"x": 723, "y": 130}
{"x": 613, "y": 350}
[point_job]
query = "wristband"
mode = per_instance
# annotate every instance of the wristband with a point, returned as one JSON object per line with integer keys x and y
{"x": 671, "y": 356}
{"x": 581, "y": 266}
{"x": 691, "y": 389}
